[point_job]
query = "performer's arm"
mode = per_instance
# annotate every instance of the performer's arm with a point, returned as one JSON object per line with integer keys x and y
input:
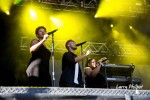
{"x": 79, "y": 58}
{"x": 92, "y": 73}
{"x": 35, "y": 44}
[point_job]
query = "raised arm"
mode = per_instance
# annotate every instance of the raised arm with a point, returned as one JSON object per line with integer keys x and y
{"x": 35, "y": 44}
{"x": 92, "y": 73}
{"x": 79, "y": 58}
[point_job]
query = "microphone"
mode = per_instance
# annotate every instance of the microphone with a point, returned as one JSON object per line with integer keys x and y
{"x": 104, "y": 60}
{"x": 98, "y": 63}
{"x": 49, "y": 33}
{"x": 81, "y": 43}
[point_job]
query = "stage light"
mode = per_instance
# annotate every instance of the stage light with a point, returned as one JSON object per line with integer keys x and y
{"x": 7, "y": 12}
{"x": 111, "y": 25}
{"x": 114, "y": 8}
{"x": 33, "y": 14}
{"x": 5, "y": 5}
{"x": 96, "y": 16}
{"x": 115, "y": 34}
{"x": 130, "y": 27}
{"x": 57, "y": 22}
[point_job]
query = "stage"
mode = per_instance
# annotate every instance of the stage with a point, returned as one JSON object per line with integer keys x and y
{"x": 55, "y": 93}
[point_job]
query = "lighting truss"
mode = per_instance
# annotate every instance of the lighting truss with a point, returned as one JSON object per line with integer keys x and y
{"x": 135, "y": 8}
{"x": 96, "y": 48}
{"x": 59, "y": 45}
{"x": 86, "y": 6}
{"x": 24, "y": 43}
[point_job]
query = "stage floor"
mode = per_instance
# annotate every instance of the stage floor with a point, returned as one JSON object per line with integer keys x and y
{"x": 55, "y": 93}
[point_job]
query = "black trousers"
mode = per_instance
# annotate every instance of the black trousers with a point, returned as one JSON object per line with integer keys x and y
{"x": 36, "y": 81}
{"x": 71, "y": 85}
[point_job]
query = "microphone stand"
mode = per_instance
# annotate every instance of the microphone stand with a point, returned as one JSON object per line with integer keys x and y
{"x": 53, "y": 67}
{"x": 83, "y": 68}
{"x": 105, "y": 69}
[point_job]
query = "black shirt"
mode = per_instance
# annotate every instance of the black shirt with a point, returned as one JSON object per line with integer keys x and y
{"x": 96, "y": 82}
{"x": 68, "y": 70}
{"x": 39, "y": 64}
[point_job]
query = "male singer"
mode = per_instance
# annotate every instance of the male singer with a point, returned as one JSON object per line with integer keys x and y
{"x": 71, "y": 73}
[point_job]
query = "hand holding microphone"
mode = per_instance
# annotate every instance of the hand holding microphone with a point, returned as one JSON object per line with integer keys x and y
{"x": 45, "y": 36}
{"x": 49, "y": 33}
{"x": 88, "y": 52}
{"x": 100, "y": 63}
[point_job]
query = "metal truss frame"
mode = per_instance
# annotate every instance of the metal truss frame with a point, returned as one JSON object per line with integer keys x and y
{"x": 96, "y": 48}
{"x": 59, "y": 45}
{"x": 85, "y": 6}
{"x": 90, "y": 6}
{"x": 23, "y": 43}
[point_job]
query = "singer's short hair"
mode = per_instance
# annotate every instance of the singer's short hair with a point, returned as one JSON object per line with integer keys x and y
{"x": 38, "y": 28}
{"x": 67, "y": 43}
